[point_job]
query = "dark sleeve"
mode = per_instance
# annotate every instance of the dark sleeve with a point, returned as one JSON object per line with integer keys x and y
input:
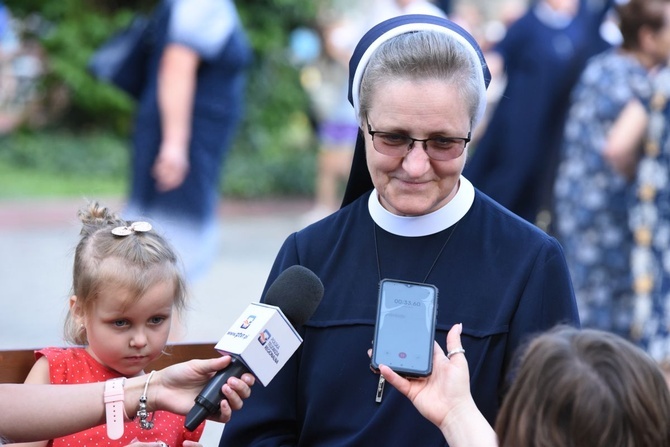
{"x": 548, "y": 298}
{"x": 269, "y": 417}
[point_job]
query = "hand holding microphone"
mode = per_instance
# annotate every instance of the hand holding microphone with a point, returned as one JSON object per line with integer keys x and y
{"x": 261, "y": 341}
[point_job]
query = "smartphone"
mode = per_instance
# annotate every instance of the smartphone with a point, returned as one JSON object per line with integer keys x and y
{"x": 405, "y": 327}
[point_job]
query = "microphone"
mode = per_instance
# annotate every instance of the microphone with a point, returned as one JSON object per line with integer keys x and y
{"x": 253, "y": 340}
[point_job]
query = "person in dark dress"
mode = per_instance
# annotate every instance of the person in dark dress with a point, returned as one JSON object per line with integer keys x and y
{"x": 445, "y": 5}
{"x": 543, "y": 53}
{"x": 418, "y": 86}
{"x": 187, "y": 116}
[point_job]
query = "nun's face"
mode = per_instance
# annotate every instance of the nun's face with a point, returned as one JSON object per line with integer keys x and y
{"x": 414, "y": 184}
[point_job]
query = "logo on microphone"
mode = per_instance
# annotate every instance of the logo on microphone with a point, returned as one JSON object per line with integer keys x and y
{"x": 270, "y": 345}
{"x": 247, "y": 322}
{"x": 264, "y": 337}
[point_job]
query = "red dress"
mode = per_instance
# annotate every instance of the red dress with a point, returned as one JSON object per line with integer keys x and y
{"x": 75, "y": 365}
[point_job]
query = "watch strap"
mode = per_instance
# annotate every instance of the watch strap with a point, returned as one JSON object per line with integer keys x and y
{"x": 114, "y": 407}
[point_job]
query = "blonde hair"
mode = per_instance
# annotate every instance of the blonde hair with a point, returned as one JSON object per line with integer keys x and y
{"x": 102, "y": 259}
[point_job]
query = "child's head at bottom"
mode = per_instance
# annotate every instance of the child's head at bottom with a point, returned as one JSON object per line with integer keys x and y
{"x": 126, "y": 283}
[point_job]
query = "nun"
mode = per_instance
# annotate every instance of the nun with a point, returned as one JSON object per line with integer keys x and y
{"x": 418, "y": 88}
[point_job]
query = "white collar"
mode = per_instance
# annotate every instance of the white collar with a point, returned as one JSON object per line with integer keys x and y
{"x": 415, "y": 226}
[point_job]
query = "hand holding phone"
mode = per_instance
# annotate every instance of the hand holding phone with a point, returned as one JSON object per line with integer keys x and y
{"x": 405, "y": 327}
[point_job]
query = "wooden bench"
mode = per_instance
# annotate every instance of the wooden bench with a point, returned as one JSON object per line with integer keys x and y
{"x": 15, "y": 365}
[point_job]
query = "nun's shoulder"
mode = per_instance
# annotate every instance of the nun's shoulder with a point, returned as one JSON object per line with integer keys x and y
{"x": 495, "y": 218}
{"x": 346, "y": 220}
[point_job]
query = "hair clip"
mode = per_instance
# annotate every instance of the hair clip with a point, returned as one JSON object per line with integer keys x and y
{"x": 142, "y": 227}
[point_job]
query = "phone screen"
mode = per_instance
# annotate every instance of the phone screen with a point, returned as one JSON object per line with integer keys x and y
{"x": 405, "y": 327}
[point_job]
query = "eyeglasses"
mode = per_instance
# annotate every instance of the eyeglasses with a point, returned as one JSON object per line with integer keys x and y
{"x": 398, "y": 145}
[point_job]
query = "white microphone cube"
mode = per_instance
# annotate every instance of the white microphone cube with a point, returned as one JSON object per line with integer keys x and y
{"x": 262, "y": 338}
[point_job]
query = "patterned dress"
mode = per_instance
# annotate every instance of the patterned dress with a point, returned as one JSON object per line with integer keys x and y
{"x": 592, "y": 199}
{"x": 75, "y": 365}
{"x": 650, "y": 223}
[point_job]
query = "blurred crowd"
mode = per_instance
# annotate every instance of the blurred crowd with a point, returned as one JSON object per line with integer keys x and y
{"x": 575, "y": 138}
{"x": 20, "y": 68}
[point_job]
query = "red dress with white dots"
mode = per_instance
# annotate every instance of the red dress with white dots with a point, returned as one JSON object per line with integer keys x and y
{"x": 75, "y": 365}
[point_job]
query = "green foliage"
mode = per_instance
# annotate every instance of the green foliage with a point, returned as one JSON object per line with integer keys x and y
{"x": 62, "y": 163}
{"x": 95, "y": 153}
{"x": 273, "y": 152}
{"x": 52, "y": 164}
{"x": 273, "y": 171}
{"x": 69, "y": 32}
{"x": 274, "y": 147}
{"x": 20, "y": 184}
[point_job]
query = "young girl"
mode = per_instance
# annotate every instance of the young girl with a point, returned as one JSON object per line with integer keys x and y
{"x": 126, "y": 284}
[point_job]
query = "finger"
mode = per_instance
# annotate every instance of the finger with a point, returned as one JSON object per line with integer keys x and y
{"x": 234, "y": 400}
{"x": 218, "y": 363}
{"x": 400, "y": 383}
{"x": 208, "y": 366}
{"x": 239, "y": 387}
{"x": 235, "y": 391}
{"x": 225, "y": 412}
{"x": 249, "y": 379}
{"x": 454, "y": 337}
{"x": 454, "y": 341}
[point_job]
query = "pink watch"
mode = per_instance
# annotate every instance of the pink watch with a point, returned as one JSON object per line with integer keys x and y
{"x": 114, "y": 407}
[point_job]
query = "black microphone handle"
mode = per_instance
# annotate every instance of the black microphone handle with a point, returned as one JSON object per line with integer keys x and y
{"x": 209, "y": 399}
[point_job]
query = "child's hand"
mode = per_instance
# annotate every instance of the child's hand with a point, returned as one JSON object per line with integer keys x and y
{"x": 191, "y": 444}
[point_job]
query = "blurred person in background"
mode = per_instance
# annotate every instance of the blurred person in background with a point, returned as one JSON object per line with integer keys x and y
{"x": 649, "y": 220}
{"x": 602, "y": 144}
{"x": 187, "y": 117}
{"x": 325, "y": 80}
{"x": 542, "y": 55}
{"x": 445, "y": 5}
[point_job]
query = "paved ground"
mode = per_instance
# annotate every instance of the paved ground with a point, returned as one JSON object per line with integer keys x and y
{"x": 37, "y": 240}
